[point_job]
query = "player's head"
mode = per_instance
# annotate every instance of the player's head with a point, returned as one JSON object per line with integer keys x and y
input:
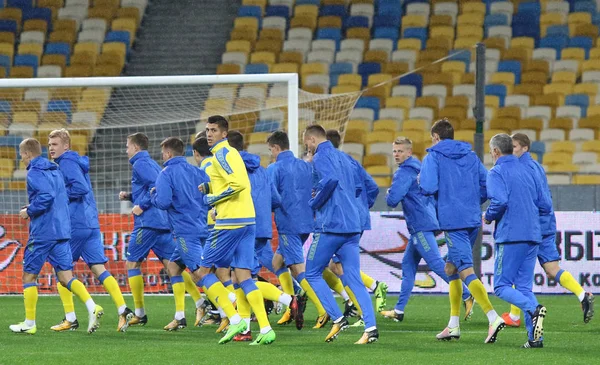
{"x": 29, "y": 149}
{"x": 201, "y": 149}
{"x": 216, "y": 129}
{"x": 313, "y": 136}
{"x": 135, "y": 143}
{"x": 278, "y": 142}
{"x": 171, "y": 147}
{"x": 236, "y": 140}
{"x": 401, "y": 149}
{"x": 521, "y": 144}
{"x": 201, "y": 134}
{"x": 334, "y": 137}
{"x": 59, "y": 142}
{"x": 501, "y": 145}
{"x": 442, "y": 129}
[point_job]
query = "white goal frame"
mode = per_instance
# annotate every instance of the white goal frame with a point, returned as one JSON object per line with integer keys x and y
{"x": 290, "y": 79}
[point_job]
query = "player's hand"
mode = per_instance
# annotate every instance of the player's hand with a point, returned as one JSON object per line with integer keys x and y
{"x": 153, "y": 190}
{"x": 23, "y": 213}
{"x": 137, "y": 210}
{"x": 201, "y": 188}
{"x": 213, "y": 214}
{"x": 485, "y": 220}
{"x": 123, "y": 195}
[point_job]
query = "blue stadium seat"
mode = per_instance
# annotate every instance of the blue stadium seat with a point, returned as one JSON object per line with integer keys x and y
{"x": 10, "y": 141}
{"x": 524, "y": 25}
{"x": 418, "y": 33}
{"x": 370, "y": 102}
{"x": 59, "y": 48}
{"x": 337, "y": 69}
{"x": 415, "y": 80}
{"x": 387, "y": 33}
{"x": 38, "y": 13}
{"x": 460, "y": 55}
{"x": 539, "y": 148}
{"x": 392, "y": 9}
{"x": 60, "y": 106}
{"x": 558, "y": 30}
{"x": 386, "y": 21}
{"x": 5, "y": 62}
{"x": 356, "y": 22}
{"x": 278, "y": 10}
{"x": 267, "y": 126}
{"x": 308, "y": 2}
{"x": 596, "y": 19}
{"x": 368, "y": 68}
{"x": 8, "y": 26}
{"x": 27, "y": 60}
{"x": 511, "y": 66}
{"x": 333, "y": 10}
{"x": 582, "y": 42}
{"x": 5, "y": 106}
{"x": 580, "y": 100}
{"x": 256, "y": 68}
{"x": 330, "y": 33}
{"x": 495, "y": 19}
{"x": 530, "y": 8}
{"x": 118, "y": 36}
{"x": 497, "y": 90}
{"x": 556, "y": 42}
{"x": 21, "y": 4}
{"x": 250, "y": 11}
{"x": 584, "y": 6}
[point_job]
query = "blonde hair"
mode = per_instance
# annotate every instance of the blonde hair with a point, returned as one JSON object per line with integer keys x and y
{"x": 32, "y": 146}
{"x": 404, "y": 141}
{"x": 63, "y": 134}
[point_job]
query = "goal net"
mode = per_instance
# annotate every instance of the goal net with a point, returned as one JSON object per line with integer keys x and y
{"x": 99, "y": 113}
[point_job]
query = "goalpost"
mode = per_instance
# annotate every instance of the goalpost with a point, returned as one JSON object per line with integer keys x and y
{"x": 100, "y": 112}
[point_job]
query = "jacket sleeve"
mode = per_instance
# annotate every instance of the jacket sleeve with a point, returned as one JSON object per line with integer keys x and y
{"x": 372, "y": 188}
{"x": 428, "y": 180}
{"x": 326, "y": 186}
{"x": 482, "y": 183}
{"x": 275, "y": 197}
{"x": 358, "y": 178}
{"x": 162, "y": 196}
{"x": 544, "y": 197}
{"x": 232, "y": 170}
{"x": 148, "y": 178}
{"x": 44, "y": 194}
{"x": 399, "y": 188}
{"x": 497, "y": 192}
{"x": 75, "y": 181}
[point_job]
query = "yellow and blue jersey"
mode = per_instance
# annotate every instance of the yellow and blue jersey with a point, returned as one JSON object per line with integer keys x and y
{"x": 230, "y": 191}
{"x": 205, "y": 165}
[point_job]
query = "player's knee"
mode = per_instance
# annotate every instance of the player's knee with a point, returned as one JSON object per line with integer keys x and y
{"x": 449, "y": 269}
{"x": 133, "y": 265}
{"x": 336, "y": 268}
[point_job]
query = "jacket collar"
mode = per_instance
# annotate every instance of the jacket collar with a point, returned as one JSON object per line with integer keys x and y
{"x": 285, "y": 155}
{"x": 217, "y": 146}
{"x": 175, "y": 161}
{"x": 526, "y": 157}
{"x": 505, "y": 159}
{"x": 139, "y": 156}
{"x": 324, "y": 146}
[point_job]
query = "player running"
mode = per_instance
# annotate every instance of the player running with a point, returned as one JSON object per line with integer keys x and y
{"x": 49, "y": 235}
{"x": 86, "y": 241}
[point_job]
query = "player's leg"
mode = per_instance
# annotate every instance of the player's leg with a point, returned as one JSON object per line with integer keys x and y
{"x": 410, "y": 262}
{"x": 69, "y": 322}
{"x": 349, "y": 255}
{"x": 175, "y": 269}
{"x": 351, "y": 307}
{"x": 455, "y": 289}
{"x": 140, "y": 243}
{"x": 264, "y": 253}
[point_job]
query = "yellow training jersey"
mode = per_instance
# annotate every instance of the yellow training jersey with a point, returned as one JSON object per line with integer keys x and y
{"x": 205, "y": 165}
{"x": 229, "y": 188}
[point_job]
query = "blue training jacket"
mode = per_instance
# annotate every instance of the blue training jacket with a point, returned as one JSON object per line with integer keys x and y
{"x": 177, "y": 193}
{"x": 82, "y": 204}
{"x": 419, "y": 209}
{"x": 335, "y": 192}
{"x": 456, "y": 177}
{"x": 516, "y": 202}
{"x": 547, "y": 221}
{"x": 264, "y": 195}
{"x": 143, "y": 177}
{"x": 48, "y": 202}
{"x": 292, "y": 178}
{"x": 369, "y": 193}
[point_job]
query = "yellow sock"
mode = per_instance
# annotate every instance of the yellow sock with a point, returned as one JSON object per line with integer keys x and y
{"x": 515, "y": 311}
{"x": 268, "y": 290}
{"x": 353, "y": 299}
{"x": 480, "y": 294}
{"x": 79, "y": 289}
{"x": 30, "y": 297}
{"x": 179, "y": 294}
{"x": 66, "y": 298}
{"x": 287, "y": 283}
{"x": 257, "y": 303}
{"x": 242, "y": 303}
{"x": 313, "y": 297}
{"x": 136, "y": 284}
{"x": 568, "y": 282}
{"x": 190, "y": 286}
{"x": 219, "y": 296}
{"x": 455, "y": 294}
{"x": 367, "y": 280}
{"x": 112, "y": 287}
{"x": 333, "y": 281}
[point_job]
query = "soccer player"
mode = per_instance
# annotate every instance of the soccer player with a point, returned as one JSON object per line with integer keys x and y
{"x": 265, "y": 198}
{"x": 454, "y": 174}
{"x": 151, "y": 229}
{"x": 292, "y": 178}
{"x": 86, "y": 241}
{"x": 516, "y": 203}
{"x": 231, "y": 243}
{"x": 421, "y": 221}
{"x": 548, "y": 255}
{"x": 337, "y": 231}
{"x": 49, "y": 234}
{"x": 369, "y": 193}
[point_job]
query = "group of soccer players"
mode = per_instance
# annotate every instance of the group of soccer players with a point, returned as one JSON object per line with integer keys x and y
{"x": 214, "y": 220}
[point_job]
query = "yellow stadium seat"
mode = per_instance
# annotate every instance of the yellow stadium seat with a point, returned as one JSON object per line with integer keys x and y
{"x": 562, "y": 146}
{"x": 359, "y": 124}
{"x": 127, "y": 25}
{"x": 263, "y": 57}
{"x": 409, "y": 43}
{"x": 8, "y": 152}
{"x": 116, "y": 47}
{"x": 584, "y": 30}
{"x": 35, "y": 25}
{"x": 414, "y": 136}
{"x": 473, "y": 7}
{"x": 439, "y": 43}
{"x": 522, "y": 42}
{"x": 15, "y": 14}
{"x": 79, "y": 70}
{"x": 465, "y": 136}
{"x": 271, "y": 33}
{"x": 32, "y": 49}
{"x": 54, "y": 117}
{"x": 402, "y": 102}
{"x": 308, "y": 10}
{"x": 359, "y": 33}
{"x": 7, "y": 49}
{"x": 329, "y": 22}
{"x": 386, "y": 125}
{"x": 505, "y": 123}
{"x": 7, "y": 166}
{"x": 469, "y": 19}
{"x": 414, "y": 125}
{"x": 107, "y": 70}
{"x": 487, "y": 135}
{"x": 556, "y": 158}
{"x": 87, "y": 47}
{"x": 69, "y": 25}
{"x": 593, "y": 110}
{"x": 413, "y": 21}
{"x": 446, "y": 32}
{"x": 453, "y": 113}
{"x": 108, "y": 14}
{"x": 567, "y": 77}
{"x": 375, "y": 160}
{"x": 534, "y": 77}
{"x": 440, "y": 20}
{"x": 579, "y": 18}
{"x": 284, "y": 68}
{"x": 396, "y": 68}
{"x": 382, "y": 182}
{"x": 551, "y": 100}
{"x": 241, "y": 34}
{"x": 313, "y": 69}
{"x": 62, "y": 36}
{"x": 560, "y": 88}
{"x": 55, "y": 4}
{"x": 550, "y": 19}
{"x": 258, "y": 137}
{"x": 260, "y": 3}
{"x": 268, "y": 45}
{"x": 573, "y": 53}
{"x": 381, "y": 78}
{"x": 466, "y": 43}
{"x": 588, "y": 88}
{"x": 238, "y": 46}
{"x": 591, "y": 146}
{"x": 586, "y": 179}
{"x": 470, "y": 31}
{"x": 83, "y": 58}
{"x": 355, "y": 136}
{"x": 26, "y": 117}
{"x": 561, "y": 167}
{"x": 21, "y": 72}
{"x": 248, "y": 23}
{"x": 379, "y": 170}
{"x": 380, "y": 136}
{"x": 376, "y": 55}
{"x": 345, "y": 89}
{"x": 350, "y": 79}
{"x": 504, "y": 78}
{"x": 7, "y": 37}
{"x": 107, "y": 3}
{"x": 130, "y": 12}
{"x": 591, "y": 65}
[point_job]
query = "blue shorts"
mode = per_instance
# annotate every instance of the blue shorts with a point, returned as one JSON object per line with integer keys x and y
{"x": 290, "y": 247}
{"x": 230, "y": 248}
{"x": 263, "y": 255}
{"x": 460, "y": 247}
{"x": 142, "y": 240}
{"x": 188, "y": 252}
{"x": 547, "y": 251}
{"x": 87, "y": 244}
{"x": 57, "y": 253}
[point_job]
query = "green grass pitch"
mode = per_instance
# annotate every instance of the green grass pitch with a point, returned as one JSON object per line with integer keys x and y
{"x": 567, "y": 340}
